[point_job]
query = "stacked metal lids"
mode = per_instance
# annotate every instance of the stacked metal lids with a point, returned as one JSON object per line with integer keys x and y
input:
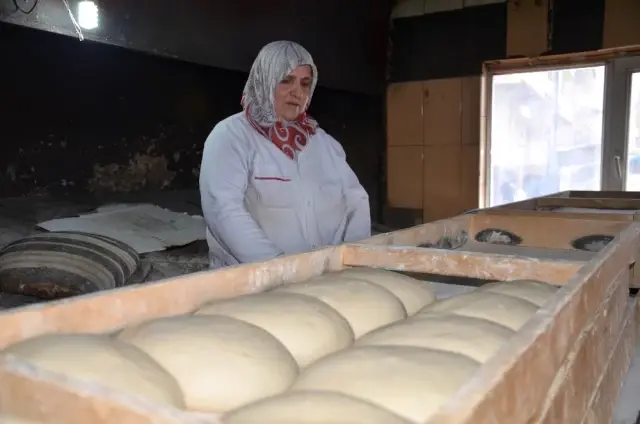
{"x": 61, "y": 264}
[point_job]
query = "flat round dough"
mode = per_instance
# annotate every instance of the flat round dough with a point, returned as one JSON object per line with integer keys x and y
{"x": 505, "y": 310}
{"x": 103, "y": 360}
{"x": 312, "y": 407}
{"x": 220, "y": 362}
{"x": 533, "y": 291}
{"x": 413, "y": 294}
{"x": 475, "y": 338}
{"x": 309, "y": 328}
{"x": 410, "y": 381}
{"x": 366, "y": 306}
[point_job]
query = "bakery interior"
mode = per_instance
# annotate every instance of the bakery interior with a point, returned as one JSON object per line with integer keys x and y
{"x": 106, "y": 107}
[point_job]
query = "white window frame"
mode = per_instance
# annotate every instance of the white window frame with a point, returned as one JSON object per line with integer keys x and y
{"x": 619, "y": 64}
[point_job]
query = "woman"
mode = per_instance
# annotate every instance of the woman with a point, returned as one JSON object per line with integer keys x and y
{"x": 272, "y": 182}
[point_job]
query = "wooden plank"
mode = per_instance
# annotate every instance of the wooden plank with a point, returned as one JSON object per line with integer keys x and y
{"x": 578, "y": 378}
{"x": 545, "y": 231}
{"x": 605, "y": 397}
{"x": 425, "y": 233}
{"x": 603, "y": 194}
{"x": 108, "y": 311}
{"x": 512, "y": 386}
{"x": 593, "y": 203}
{"x": 46, "y": 397}
{"x": 560, "y": 214}
{"x": 558, "y": 60}
{"x": 529, "y": 252}
{"x": 529, "y": 204}
{"x": 531, "y": 207}
{"x": 460, "y": 263}
{"x": 592, "y": 211}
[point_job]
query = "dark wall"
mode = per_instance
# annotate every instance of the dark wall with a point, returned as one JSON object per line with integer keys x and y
{"x": 455, "y": 43}
{"x": 80, "y": 116}
{"x": 348, "y": 38}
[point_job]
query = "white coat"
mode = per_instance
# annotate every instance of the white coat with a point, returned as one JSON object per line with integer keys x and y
{"x": 259, "y": 204}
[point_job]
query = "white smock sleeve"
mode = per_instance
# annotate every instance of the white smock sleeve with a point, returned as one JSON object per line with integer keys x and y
{"x": 358, "y": 225}
{"x": 223, "y": 183}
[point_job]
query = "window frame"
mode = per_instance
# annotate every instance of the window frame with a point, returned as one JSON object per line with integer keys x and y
{"x": 619, "y": 63}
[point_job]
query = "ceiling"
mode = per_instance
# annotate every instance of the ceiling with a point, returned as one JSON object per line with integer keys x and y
{"x": 348, "y": 39}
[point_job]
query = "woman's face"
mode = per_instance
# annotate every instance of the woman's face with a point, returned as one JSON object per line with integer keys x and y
{"x": 292, "y": 93}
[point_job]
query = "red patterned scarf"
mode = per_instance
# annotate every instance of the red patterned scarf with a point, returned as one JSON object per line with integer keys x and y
{"x": 289, "y": 137}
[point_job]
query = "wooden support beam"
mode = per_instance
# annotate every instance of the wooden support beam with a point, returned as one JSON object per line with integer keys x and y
{"x": 594, "y": 203}
{"x": 489, "y": 266}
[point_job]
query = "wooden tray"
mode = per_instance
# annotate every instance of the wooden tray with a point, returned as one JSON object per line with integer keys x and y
{"x": 557, "y": 369}
{"x": 544, "y": 240}
{"x": 609, "y": 205}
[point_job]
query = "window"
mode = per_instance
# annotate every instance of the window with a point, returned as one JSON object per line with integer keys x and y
{"x": 566, "y": 128}
{"x": 633, "y": 135}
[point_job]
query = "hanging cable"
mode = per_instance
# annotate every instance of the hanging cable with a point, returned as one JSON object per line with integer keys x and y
{"x": 73, "y": 21}
{"x": 16, "y": 3}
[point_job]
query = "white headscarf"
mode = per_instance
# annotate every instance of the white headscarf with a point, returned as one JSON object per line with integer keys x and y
{"x": 274, "y": 62}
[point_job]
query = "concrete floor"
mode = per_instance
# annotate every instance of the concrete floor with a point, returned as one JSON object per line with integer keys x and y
{"x": 19, "y": 215}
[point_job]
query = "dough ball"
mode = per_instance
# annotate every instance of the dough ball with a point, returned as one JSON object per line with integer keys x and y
{"x": 477, "y": 339}
{"x": 103, "y": 360}
{"x": 366, "y": 306}
{"x": 308, "y": 327}
{"x": 533, "y": 291}
{"x": 220, "y": 362}
{"x": 508, "y": 311}
{"x": 410, "y": 381}
{"x": 312, "y": 407}
{"x": 413, "y": 293}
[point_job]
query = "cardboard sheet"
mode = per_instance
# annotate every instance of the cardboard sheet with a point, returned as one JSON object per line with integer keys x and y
{"x": 144, "y": 227}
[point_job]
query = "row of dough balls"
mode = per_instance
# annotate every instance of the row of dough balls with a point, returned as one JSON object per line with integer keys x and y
{"x": 405, "y": 371}
{"x": 228, "y": 356}
{"x": 236, "y": 351}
